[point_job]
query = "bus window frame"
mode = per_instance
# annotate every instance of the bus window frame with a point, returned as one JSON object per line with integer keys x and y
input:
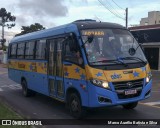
{"x": 65, "y": 36}
{"x": 35, "y": 49}
{"x": 11, "y": 56}
{"x": 75, "y": 38}
{"x": 23, "y": 51}
{"x": 9, "y": 51}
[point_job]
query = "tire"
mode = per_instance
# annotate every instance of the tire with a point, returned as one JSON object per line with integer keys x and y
{"x": 26, "y": 92}
{"x": 75, "y": 106}
{"x": 130, "y": 105}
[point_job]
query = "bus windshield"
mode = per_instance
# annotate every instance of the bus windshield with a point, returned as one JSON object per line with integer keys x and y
{"x": 109, "y": 46}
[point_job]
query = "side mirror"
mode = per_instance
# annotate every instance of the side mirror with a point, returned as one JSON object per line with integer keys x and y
{"x": 132, "y": 51}
{"x": 90, "y": 38}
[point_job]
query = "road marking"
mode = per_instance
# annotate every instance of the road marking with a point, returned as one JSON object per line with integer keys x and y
{"x": 12, "y": 86}
{"x": 1, "y": 73}
{"x": 3, "y": 86}
{"x": 153, "y": 103}
{"x": 150, "y": 104}
{"x": 17, "y": 86}
{"x": 1, "y": 89}
{"x": 155, "y": 91}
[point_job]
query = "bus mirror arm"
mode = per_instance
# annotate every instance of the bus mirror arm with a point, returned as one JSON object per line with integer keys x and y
{"x": 84, "y": 44}
{"x": 132, "y": 50}
{"x": 139, "y": 45}
{"x": 89, "y": 40}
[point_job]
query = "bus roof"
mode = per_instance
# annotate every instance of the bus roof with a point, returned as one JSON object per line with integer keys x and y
{"x": 43, "y": 33}
{"x": 90, "y": 24}
{"x": 79, "y": 24}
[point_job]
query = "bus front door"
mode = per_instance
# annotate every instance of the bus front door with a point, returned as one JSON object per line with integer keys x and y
{"x": 55, "y": 72}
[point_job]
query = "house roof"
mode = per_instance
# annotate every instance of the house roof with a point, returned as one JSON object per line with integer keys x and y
{"x": 145, "y": 27}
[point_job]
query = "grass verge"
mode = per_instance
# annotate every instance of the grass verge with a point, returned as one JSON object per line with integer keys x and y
{"x": 7, "y": 113}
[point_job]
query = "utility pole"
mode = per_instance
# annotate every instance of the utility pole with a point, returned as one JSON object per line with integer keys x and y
{"x": 126, "y": 17}
{"x": 3, "y": 40}
{"x": 2, "y": 29}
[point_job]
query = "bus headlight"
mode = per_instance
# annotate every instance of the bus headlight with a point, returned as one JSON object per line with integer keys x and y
{"x": 100, "y": 83}
{"x": 148, "y": 78}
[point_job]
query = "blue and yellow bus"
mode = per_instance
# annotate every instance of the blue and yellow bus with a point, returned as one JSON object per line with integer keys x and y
{"x": 86, "y": 64}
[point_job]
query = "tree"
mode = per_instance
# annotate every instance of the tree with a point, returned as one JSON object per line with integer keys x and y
{"x": 31, "y": 28}
{"x": 7, "y": 20}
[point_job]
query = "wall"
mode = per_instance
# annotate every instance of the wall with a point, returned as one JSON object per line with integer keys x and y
{"x": 1, "y": 56}
{"x": 4, "y": 58}
{"x": 152, "y": 45}
{"x": 153, "y": 18}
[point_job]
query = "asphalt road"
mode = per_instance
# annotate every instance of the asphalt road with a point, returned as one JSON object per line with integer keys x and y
{"x": 42, "y": 107}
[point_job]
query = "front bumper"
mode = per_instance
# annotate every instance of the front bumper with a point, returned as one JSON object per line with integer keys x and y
{"x": 100, "y": 97}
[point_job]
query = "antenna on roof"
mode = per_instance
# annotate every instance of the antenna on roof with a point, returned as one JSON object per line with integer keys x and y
{"x": 98, "y": 18}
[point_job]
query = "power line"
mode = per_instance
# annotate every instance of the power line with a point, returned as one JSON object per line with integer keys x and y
{"x": 112, "y": 10}
{"x": 110, "y": 5}
{"x": 107, "y": 7}
{"x": 118, "y": 5}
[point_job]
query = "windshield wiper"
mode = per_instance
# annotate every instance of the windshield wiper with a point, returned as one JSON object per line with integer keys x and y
{"x": 117, "y": 61}
{"x": 134, "y": 58}
{"x": 121, "y": 61}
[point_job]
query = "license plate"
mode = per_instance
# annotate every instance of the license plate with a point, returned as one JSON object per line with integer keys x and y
{"x": 130, "y": 92}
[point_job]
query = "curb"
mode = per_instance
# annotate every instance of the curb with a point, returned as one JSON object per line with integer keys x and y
{"x": 18, "y": 112}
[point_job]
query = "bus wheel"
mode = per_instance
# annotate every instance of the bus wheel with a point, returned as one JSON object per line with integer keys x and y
{"x": 130, "y": 105}
{"x": 76, "y": 109}
{"x": 26, "y": 92}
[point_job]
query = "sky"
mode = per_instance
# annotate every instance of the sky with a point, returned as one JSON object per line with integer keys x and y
{"x": 51, "y": 13}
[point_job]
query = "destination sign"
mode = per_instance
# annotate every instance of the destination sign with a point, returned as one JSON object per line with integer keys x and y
{"x": 96, "y": 33}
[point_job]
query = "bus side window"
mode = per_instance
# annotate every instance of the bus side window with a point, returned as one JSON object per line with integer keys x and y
{"x": 9, "y": 50}
{"x": 40, "y": 49}
{"x": 20, "y": 50}
{"x": 29, "y": 51}
{"x": 13, "y": 51}
{"x": 72, "y": 52}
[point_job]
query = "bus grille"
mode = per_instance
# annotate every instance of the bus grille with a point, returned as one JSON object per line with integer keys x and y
{"x": 120, "y": 88}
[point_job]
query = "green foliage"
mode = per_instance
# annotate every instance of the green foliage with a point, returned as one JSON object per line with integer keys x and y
{"x": 31, "y": 28}
{"x": 4, "y": 48}
{"x": 6, "y": 17}
{"x": 7, "y": 113}
{"x": 6, "y": 21}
